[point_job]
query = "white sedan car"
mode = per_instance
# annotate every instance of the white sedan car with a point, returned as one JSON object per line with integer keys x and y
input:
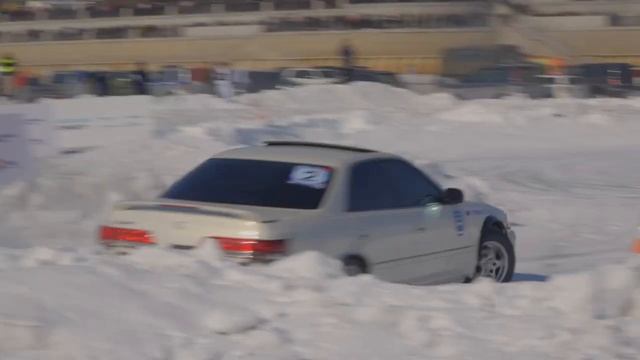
{"x": 374, "y": 211}
{"x": 308, "y": 76}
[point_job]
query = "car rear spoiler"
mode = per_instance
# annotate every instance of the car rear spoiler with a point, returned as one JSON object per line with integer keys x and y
{"x": 187, "y": 207}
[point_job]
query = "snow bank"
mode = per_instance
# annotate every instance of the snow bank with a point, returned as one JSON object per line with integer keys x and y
{"x": 75, "y": 306}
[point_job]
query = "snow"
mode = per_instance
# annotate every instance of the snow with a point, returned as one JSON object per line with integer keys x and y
{"x": 565, "y": 170}
{"x": 122, "y": 308}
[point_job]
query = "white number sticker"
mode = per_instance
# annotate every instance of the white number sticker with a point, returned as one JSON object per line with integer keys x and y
{"x": 311, "y": 176}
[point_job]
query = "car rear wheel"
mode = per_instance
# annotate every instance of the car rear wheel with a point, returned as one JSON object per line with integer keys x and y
{"x": 353, "y": 266}
{"x": 496, "y": 257}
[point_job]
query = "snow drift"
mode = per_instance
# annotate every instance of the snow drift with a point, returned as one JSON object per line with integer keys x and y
{"x": 167, "y": 305}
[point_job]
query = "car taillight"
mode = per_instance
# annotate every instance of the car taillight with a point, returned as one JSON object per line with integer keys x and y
{"x": 110, "y": 233}
{"x": 252, "y": 246}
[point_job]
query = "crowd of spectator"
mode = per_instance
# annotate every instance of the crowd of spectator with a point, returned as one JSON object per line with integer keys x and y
{"x": 376, "y": 22}
{"x": 17, "y": 10}
{"x": 21, "y": 10}
{"x": 28, "y": 10}
{"x": 278, "y": 24}
{"x": 113, "y": 8}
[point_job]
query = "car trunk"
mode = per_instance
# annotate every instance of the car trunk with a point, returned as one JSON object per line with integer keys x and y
{"x": 183, "y": 224}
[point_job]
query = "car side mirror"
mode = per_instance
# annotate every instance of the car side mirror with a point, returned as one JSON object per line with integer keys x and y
{"x": 452, "y": 196}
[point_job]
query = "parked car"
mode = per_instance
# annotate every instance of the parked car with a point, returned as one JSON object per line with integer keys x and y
{"x": 497, "y": 81}
{"x": 606, "y": 79}
{"x": 122, "y": 83}
{"x": 335, "y": 75}
{"x": 169, "y": 80}
{"x": 562, "y": 86}
{"x": 262, "y": 80}
{"x": 382, "y": 77}
{"x": 66, "y": 84}
{"x": 374, "y": 211}
{"x": 462, "y": 61}
{"x": 488, "y": 83}
{"x": 308, "y": 76}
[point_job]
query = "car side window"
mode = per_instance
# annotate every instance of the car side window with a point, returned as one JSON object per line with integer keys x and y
{"x": 369, "y": 188}
{"x": 303, "y": 74}
{"x": 411, "y": 186}
{"x": 316, "y": 74}
{"x": 386, "y": 184}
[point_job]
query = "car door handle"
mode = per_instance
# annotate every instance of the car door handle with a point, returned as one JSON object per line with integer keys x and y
{"x": 421, "y": 229}
{"x": 363, "y": 236}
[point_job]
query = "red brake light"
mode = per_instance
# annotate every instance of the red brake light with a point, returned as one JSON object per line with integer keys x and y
{"x": 251, "y": 245}
{"x": 109, "y": 233}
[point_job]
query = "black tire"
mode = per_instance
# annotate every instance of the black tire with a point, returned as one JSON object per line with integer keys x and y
{"x": 496, "y": 256}
{"x": 354, "y": 266}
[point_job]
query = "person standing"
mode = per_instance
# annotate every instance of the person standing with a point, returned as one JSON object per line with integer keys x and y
{"x": 223, "y": 81}
{"x": 347, "y": 53}
{"x": 101, "y": 83}
{"x": 8, "y": 66}
{"x": 141, "y": 79}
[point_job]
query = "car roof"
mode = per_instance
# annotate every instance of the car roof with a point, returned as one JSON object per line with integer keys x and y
{"x": 304, "y": 153}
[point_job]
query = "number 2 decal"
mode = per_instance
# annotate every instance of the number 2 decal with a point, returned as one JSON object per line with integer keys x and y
{"x": 312, "y": 176}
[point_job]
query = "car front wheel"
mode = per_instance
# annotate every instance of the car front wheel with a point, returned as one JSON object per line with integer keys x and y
{"x": 496, "y": 258}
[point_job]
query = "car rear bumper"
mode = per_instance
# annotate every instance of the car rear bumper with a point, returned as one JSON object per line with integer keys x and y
{"x": 121, "y": 247}
{"x": 252, "y": 258}
{"x": 244, "y": 258}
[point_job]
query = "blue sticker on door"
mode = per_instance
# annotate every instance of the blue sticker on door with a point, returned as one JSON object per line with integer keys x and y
{"x": 458, "y": 221}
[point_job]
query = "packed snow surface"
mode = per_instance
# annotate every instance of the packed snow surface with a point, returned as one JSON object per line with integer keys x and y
{"x": 565, "y": 170}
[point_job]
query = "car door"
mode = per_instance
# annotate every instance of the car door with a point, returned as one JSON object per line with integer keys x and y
{"x": 438, "y": 239}
{"x": 380, "y": 227}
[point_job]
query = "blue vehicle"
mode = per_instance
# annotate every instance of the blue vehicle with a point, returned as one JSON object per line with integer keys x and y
{"x": 67, "y": 84}
{"x": 169, "y": 80}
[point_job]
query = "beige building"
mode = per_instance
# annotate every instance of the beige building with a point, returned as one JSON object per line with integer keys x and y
{"x": 578, "y": 38}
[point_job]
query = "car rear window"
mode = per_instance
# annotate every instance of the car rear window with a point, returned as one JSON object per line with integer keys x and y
{"x": 255, "y": 183}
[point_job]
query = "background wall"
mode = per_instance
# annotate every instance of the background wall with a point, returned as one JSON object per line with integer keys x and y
{"x": 405, "y": 50}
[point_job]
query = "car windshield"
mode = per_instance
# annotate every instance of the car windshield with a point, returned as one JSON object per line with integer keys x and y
{"x": 255, "y": 183}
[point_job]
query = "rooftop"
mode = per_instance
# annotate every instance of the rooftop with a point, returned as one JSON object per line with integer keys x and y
{"x": 302, "y": 152}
